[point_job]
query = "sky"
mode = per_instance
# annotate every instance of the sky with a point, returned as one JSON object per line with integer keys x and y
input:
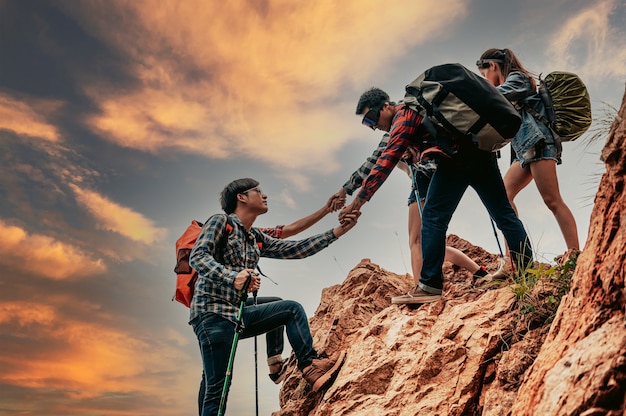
{"x": 121, "y": 121}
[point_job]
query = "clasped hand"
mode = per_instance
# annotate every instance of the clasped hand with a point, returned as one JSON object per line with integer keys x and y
{"x": 347, "y": 222}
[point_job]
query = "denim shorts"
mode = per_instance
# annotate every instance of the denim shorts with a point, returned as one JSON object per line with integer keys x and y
{"x": 540, "y": 151}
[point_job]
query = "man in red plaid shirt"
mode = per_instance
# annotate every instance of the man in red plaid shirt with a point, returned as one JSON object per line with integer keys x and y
{"x": 462, "y": 165}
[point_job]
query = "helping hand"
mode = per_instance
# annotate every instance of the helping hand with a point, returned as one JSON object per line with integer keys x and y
{"x": 348, "y": 221}
{"x": 336, "y": 200}
{"x": 355, "y": 205}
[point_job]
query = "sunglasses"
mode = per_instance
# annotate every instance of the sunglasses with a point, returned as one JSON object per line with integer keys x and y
{"x": 256, "y": 188}
{"x": 484, "y": 63}
{"x": 370, "y": 119}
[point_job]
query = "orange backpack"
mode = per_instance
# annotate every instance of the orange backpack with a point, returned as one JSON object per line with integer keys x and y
{"x": 186, "y": 276}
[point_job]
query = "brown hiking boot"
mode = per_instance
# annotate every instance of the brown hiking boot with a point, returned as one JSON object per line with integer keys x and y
{"x": 322, "y": 370}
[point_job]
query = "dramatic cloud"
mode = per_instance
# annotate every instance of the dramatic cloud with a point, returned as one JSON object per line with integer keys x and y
{"x": 114, "y": 217}
{"x": 258, "y": 80}
{"x": 590, "y": 31}
{"x": 44, "y": 255}
{"x": 86, "y": 361}
{"x": 28, "y": 117}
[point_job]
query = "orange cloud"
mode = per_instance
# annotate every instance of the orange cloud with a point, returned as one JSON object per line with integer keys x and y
{"x": 255, "y": 78}
{"x": 87, "y": 359}
{"x": 28, "y": 117}
{"x": 44, "y": 255}
{"x": 114, "y": 217}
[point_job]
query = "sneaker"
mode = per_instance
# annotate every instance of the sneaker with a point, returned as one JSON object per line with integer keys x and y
{"x": 322, "y": 370}
{"x": 415, "y": 295}
{"x": 279, "y": 376}
{"x": 505, "y": 270}
{"x": 479, "y": 281}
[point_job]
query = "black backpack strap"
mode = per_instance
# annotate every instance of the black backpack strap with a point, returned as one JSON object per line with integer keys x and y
{"x": 221, "y": 244}
{"x": 542, "y": 119}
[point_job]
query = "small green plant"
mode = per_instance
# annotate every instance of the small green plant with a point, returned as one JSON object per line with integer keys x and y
{"x": 539, "y": 291}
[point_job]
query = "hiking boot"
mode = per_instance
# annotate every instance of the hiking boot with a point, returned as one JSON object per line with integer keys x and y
{"x": 416, "y": 295}
{"x": 322, "y": 370}
{"x": 479, "y": 281}
{"x": 278, "y": 376}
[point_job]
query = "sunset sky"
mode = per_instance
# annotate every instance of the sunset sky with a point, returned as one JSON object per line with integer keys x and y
{"x": 121, "y": 121}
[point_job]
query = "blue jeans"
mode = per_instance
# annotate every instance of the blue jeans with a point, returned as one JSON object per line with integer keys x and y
{"x": 478, "y": 169}
{"x": 274, "y": 340}
{"x": 215, "y": 336}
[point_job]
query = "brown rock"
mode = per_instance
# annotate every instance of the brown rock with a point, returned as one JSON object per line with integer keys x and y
{"x": 491, "y": 350}
{"x": 581, "y": 367}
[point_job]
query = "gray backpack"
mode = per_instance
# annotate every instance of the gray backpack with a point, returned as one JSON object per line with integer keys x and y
{"x": 464, "y": 104}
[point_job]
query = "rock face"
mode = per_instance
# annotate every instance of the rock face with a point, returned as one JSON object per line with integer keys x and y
{"x": 581, "y": 368}
{"x": 483, "y": 350}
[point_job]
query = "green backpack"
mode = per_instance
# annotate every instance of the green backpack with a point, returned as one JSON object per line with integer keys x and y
{"x": 567, "y": 103}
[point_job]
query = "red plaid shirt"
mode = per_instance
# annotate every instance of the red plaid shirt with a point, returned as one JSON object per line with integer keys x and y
{"x": 403, "y": 129}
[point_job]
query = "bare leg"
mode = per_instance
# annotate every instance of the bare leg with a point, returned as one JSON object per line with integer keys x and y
{"x": 456, "y": 256}
{"x": 453, "y": 255}
{"x": 515, "y": 180}
{"x": 415, "y": 241}
{"x": 544, "y": 174}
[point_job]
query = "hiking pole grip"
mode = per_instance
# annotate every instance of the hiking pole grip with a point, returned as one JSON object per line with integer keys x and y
{"x": 243, "y": 293}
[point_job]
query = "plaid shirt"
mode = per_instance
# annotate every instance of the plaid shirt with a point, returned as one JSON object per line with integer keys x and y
{"x": 275, "y": 232}
{"x": 403, "y": 129}
{"x": 214, "y": 291}
{"x": 359, "y": 175}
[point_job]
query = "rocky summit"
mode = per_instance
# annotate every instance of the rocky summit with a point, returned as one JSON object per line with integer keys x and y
{"x": 549, "y": 342}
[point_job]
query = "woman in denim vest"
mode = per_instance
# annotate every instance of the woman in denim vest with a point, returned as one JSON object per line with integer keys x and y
{"x": 536, "y": 151}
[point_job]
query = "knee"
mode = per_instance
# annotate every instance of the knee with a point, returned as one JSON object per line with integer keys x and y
{"x": 295, "y": 307}
{"x": 511, "y": 198}
{"x": 553, "y": 202}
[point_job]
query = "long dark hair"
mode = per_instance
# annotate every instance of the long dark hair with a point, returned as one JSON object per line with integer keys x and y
{"x": 508, "y": 63}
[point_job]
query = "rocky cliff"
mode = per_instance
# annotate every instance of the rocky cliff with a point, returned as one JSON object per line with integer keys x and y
{"x": 493, "y": 349}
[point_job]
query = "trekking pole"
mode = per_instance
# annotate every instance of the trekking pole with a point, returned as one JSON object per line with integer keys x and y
{"x": 233, "y": 348}
{"x": 256, "y": 367}
{"x": 417, "y": 193}
{"x": 496, "y": 234}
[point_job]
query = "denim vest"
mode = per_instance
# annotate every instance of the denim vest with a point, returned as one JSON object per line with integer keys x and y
{"x": 517, "y": 89}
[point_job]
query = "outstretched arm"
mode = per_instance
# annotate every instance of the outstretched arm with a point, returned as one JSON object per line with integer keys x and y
{"x": 358, "y": 176}
{"x": 304, "y": 223}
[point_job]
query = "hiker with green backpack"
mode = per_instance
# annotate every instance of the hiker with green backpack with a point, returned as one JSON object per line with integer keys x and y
{"x": 536, "y": 148}
{"x": 218, "y": 313}
{"x": 462, "y": 163}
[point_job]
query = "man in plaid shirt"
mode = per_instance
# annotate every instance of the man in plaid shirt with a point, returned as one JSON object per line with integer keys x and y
{"x": 464, "y": 165}
{"x": 221, "y": 277}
